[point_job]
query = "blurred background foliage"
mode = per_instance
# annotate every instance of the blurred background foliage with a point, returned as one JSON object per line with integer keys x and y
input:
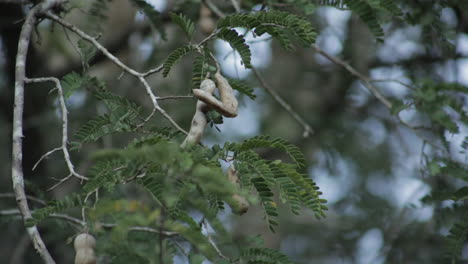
{"x": 391, "y": 188}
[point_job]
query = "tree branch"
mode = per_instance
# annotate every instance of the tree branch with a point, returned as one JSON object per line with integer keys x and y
{"x": 64, "y": 111}
{"x": 76, "y": 221}
{"x": 307, "y": 129}
{"x": 115, "y": 60}
{"x": 364, "y": 79}
{"x": 17, "y": 138}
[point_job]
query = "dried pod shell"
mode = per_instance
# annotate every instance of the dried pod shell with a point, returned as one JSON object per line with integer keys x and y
{"x": 84, "y": 246}
{"x": 228, "y": 104}
{"x": 199, "y": 120}
{"x": 227, "y": 95}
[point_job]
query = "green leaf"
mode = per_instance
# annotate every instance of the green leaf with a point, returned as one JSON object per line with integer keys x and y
{"x": 200, "y": 69}
{"x": 71, "y": 83}
{"x": 174, "y": 57}
{"x": 242, "y": 87}
{"x": 461, "y": 194}
{"x": 274, "y": 22}
{"x": 367, "y": 14}
{"x": 397, "y": 107}
{"x": 237, "y": 42}
{"x": 184, "y": 23}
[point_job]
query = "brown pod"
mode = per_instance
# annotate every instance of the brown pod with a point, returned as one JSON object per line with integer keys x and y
{"x": 227, "y": 95}
{"x": 206, "y": 23}
{"x": 84, "y": 246}
{"x": 240, "y": 204}
{"x": 199, "y": 120}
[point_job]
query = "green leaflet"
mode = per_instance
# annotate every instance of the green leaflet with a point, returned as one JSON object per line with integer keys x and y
{"x": 237, "y": 42}
{"x": 184, "y": 23}
{"x": 174, "y": 57}
{"x": 274, "y": 22}
{"x": 264, "y": 255}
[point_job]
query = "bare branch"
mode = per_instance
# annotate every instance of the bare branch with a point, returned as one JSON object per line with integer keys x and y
{"x": 17, "y": 175}
{"x": 76, "y": 221}
{"x": 64, "y": 111}
{"x": 45, "y": 156}
{"x": 115, "y": 60}
{"x": 210, "y": 239}
{"x": 364, "y": 79}
{"x": 174, "y": 97}
{"x": 307, "y": 129}
{"x": 31, "y": 198}
{"x": 395, "y": 81}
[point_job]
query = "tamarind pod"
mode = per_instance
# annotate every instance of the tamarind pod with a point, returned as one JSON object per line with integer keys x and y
{"x": 227, "y": 94}
{"x": 214, "y": 103}
{"x": 85, "y": 256}
{"x": 199, "y": 120}
{"x": 84, "y": 246}
{"x": 206, "y": 23}
{"x": 204, "y": 11}
{"x": 240, "y": 204}
{"x": 197, "y": 127}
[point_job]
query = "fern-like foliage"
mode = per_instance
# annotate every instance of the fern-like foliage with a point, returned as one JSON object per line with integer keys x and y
{"x": 264, "y": 256}
{"x": 391, "y": 7}
{"x": 55, "y": 206}
{"x": 242, "y": 87}
{"x": 71, "y": 83}
{"x": 184, "y": 23}
{"x": 365, "y": 11}
{"x": 367, "y": 14}
{"x": 266, "y": 142}
{"x": 174, "y": 57}
{"x": 456, "y": 240}
{"x": 200, "y": 69}
{"x": 116, "y": 103}
{"x": 274, "y": 22}
{"x": 432, "y": 99}
{"x": 122, "y": 117}
{"x": 237, "y": 42}
{"x": 263, "y": 176}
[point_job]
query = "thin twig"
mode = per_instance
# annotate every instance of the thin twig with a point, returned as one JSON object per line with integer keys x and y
{"x": 236, "y": 6}
{"x": 60, "y": 182}
{"x": 157, "y": 107}
{"x": 71, "y": 219}
{"x": 174, "y": 97}
{"x": 45, "y": 156}
{"x": 151, "y": 71}
{"x": 64, "y": 112}
{"x": 31, "y": 198}
{"x": 395, "y": 81}
{"x": 214, "y": 8}
{"x": 115, "y": 60}
{"x": 307, "y": 128}
{"x": 364, "y": 79}
{"x": 210, "y": 239}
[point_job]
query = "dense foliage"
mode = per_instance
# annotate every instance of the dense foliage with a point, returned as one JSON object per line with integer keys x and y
{"x": 146, "y": 199}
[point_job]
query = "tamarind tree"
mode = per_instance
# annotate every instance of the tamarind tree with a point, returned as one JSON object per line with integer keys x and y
{"x": 125, "y": 115}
